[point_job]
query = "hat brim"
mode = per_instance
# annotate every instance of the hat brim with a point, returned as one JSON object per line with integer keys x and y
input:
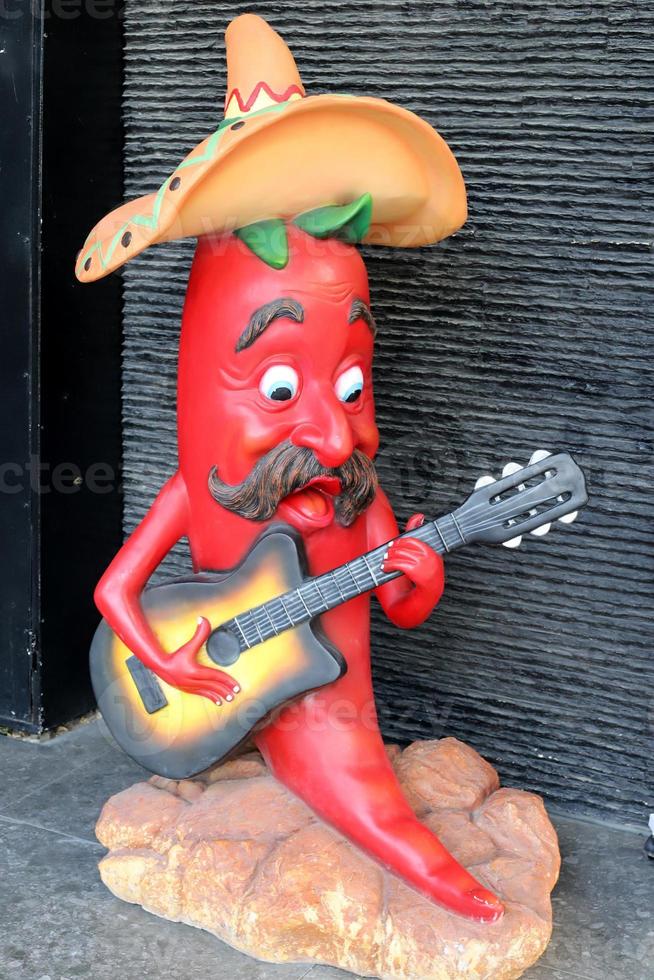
{"x": 290, "y": 158}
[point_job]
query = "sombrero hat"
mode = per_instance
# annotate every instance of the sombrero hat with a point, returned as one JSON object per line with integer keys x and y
{"x": 279, "y": 153}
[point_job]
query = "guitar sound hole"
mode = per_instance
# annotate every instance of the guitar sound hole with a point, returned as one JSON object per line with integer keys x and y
{"x": 223, "y": 647}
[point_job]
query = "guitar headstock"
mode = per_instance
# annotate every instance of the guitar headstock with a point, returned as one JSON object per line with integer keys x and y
{"x": 523, "y": 500}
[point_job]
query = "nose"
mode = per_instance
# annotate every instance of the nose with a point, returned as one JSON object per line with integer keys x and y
{"x": 328, "y": 432}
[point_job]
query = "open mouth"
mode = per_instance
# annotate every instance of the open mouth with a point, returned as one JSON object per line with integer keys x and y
{"x": 313, "y": 503}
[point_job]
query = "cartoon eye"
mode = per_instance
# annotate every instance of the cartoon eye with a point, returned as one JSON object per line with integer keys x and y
{"x": 349, "y": 385}
{"x": 279, "y": 383}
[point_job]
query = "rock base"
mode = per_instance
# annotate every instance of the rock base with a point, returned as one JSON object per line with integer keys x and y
{"x": 235, "y": 853}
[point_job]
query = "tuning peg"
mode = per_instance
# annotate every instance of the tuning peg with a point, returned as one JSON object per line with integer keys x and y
{"x": 538, "y": 455}
{"x": 511, "y": 468}
{"x": 513, "y": 542}
{"x": 484, "y": 481}
{"x": 538, "y": 532}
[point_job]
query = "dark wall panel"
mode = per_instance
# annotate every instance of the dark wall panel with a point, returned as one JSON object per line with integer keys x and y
{"x": 80, "y": 350}
{"x": 531, "y": 328}
{"x": 19, "y": 283}
{"x": 60, "y": 433}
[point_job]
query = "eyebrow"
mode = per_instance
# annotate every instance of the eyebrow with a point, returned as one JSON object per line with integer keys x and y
{"x": 361, "y": 311}
{"x": 283, "y": 308}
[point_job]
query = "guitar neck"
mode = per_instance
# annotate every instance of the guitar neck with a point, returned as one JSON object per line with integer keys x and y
{"x": 363, "y": 574}
{"x": 321, "y": 593}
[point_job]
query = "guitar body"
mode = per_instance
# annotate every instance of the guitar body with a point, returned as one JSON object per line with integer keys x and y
{"x": 176, "y": 734}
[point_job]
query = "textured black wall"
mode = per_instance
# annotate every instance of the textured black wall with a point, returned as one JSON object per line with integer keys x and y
{"x": 61, "y": 346}
{"x": 531, "y": 328}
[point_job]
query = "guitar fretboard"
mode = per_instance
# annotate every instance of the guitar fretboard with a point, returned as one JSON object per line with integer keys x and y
{"x": 321, "y": 593}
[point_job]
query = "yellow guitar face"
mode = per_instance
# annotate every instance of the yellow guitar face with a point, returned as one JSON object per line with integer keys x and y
{"x": 189, "y": 732}
{"x": 188, "y": 717}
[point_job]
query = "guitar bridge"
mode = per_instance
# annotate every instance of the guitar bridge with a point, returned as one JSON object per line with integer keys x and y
{"x": 147, "y": 685}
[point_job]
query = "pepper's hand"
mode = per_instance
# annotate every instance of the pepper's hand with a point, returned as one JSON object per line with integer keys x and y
{"x": 182, "y": 670}
{"x": 423, "y": 567}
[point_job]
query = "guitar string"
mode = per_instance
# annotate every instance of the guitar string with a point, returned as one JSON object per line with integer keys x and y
{"x": 362, "y": 586}
{"x": 467, "y": 520}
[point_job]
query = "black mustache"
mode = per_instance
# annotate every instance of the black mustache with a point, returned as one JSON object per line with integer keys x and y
{"x": 287, "y": 468}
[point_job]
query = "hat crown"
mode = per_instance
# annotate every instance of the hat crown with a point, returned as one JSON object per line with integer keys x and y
{"x": 261, "y": 71}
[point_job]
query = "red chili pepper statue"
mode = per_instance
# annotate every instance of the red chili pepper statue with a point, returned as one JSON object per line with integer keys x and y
{"x": 275, "y": 360}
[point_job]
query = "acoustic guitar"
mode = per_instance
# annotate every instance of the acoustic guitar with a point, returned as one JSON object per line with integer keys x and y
{"x": 267, "y": 612}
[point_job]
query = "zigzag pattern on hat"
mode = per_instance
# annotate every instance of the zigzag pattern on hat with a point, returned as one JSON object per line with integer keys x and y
{"x": 261, "y": 97}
